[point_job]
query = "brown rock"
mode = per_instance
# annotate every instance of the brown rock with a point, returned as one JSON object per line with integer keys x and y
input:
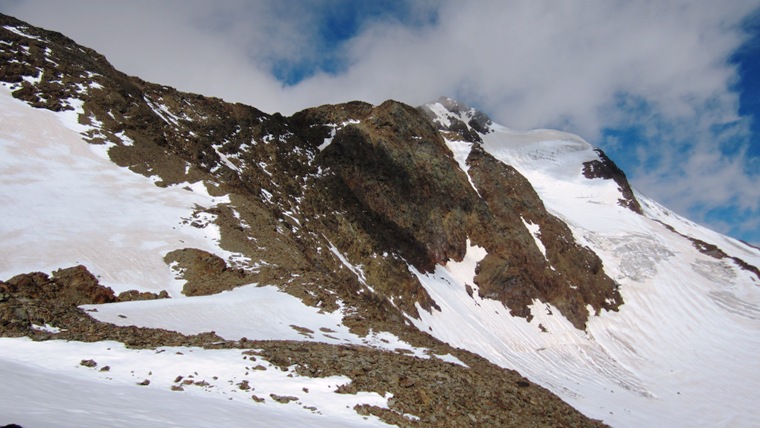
{"x": 88, "y": 363}
{"x": 284, "y": 399}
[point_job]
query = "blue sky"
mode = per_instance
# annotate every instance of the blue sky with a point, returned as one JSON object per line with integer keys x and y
{"x": 670, "y": 90}
{"x": 338, "y": 23}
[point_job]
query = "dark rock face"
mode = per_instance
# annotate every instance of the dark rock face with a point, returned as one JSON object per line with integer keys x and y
{"x": 606, "y": 169}
{"x": 515, "y": 272}
{"x": 390, "y": 178}
{"x": 399, "y": 171}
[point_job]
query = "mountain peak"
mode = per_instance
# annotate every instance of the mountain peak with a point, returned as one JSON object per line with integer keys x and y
{"x": 457, "y": 117}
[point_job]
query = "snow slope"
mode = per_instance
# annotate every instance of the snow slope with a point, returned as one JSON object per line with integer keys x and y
{"x": 681, "y": 351}
{"x": 65, "y": 203}
{"x": 38, "y": 390}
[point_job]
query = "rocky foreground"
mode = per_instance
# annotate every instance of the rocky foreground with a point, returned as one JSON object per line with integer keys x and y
{"x": 442, "y": 394}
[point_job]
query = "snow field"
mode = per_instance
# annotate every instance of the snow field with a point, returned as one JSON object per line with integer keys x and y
{"x": 253, "y": 312}
{"x": 65, "y": 203}
{"x": 682, "y": 348}
{"x": 44, "y": 384}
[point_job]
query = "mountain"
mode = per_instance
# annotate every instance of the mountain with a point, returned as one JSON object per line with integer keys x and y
{"x": 205, "y": 262}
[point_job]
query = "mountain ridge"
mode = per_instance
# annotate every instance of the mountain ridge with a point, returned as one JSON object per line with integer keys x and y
{"x": 433, "y": 230}
{"x": 364, "y": 209}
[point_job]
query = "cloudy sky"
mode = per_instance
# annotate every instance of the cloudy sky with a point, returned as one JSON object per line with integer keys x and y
{"x": 669, "y": 89}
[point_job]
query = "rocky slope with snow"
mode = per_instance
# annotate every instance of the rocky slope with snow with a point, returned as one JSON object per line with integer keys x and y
{"x": 407, "y": 259}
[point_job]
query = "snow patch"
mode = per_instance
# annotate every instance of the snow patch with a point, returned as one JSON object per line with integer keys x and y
{"x": 47, "y": 328}
{"x": 535, "y": 232}
{"x": 125, "y": 140}
{"x": 20, "y": 31}
{"x": 441, "y": 114}
{"x": 334, "y": 130}
{"x": 451, "y": 359}
{"x": 461, "y": 150}
{"x": 34, "y": 79}
{"x": 229, "y": 315}
{"x": 355, "y": 269}
{"x": 162, "y": 111}
{"x": 328, "y": 140}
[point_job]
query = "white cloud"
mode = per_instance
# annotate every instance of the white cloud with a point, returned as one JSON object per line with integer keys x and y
{"x": 536, "y": 63}
{"x": 529, "y": 63}
{"x": 532, "y": 63}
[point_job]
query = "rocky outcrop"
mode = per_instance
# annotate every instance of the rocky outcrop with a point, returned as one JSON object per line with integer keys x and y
{"x": 45, "y": 307}
{"x": 134, "y": 295}
{"x": 204, "y": 272}
{"x": 515, "y": 271}
{"x": 36, "y": 302}
{"x": 606, "y": 169}
{"x": 70, "y": 286}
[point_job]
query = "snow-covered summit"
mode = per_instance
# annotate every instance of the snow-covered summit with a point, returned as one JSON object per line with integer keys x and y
{"x": 454, "y": 116}
{"x": 560, "y": 155}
